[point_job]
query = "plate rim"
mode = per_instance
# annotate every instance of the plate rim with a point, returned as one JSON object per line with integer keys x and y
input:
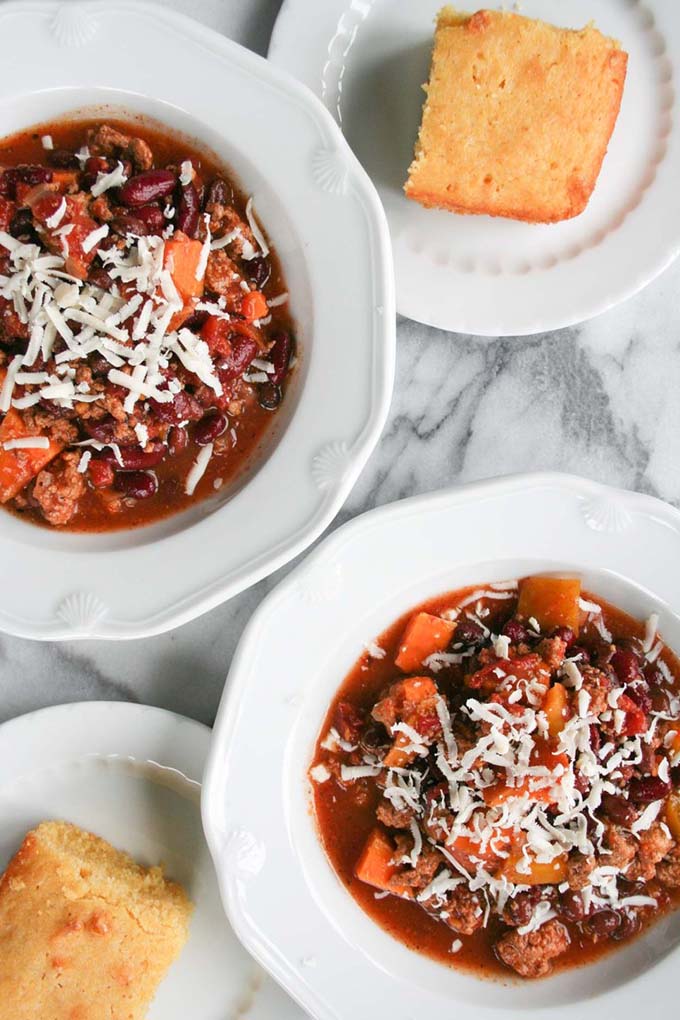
{"x": 232, "y": 887}
{"x": 516, "y": 324}
{"x": 312, "y": 514}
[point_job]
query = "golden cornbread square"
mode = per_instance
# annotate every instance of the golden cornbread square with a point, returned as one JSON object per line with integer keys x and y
{"x": 518, "y": 116}
{"x": 85, "y": 932}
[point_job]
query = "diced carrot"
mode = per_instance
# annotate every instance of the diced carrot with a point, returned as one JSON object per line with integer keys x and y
{"x": 182, "y": 258}
{"x": 424, "y": 635}
{"x": 555, "y": 706}
{"x": 552, "y": 601}
{"x": 673, "y": 814}
{"x": 375, "y": 866}
{"x": 536, "y": 873}
{"x": 254, "y": 306}
{"x": 18, "y": 467}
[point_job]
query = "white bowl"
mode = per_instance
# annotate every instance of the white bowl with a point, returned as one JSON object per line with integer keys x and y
{"x": 327, "y": 224}
{"x": 280, "y": 892}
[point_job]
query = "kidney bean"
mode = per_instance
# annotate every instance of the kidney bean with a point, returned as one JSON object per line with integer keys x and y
{"x": 178, "y": 440}
{"x": 134, "y": 458}
{"x": 519, "y": 909}
{"x": 243, "y": 350}
{"x": 581, "y": 782}
{"x": 183, "y": 407}
{"x": 218, "y": 193}
{"x": 61, "y": 159}
{"x": 260, "y": 270}
{"x": 21, "y": 225}
{"x": 100, "y": 278}
{"x": 619, "y": 809}
{"x": 269, "y": 396}
{"x": 147, "y": 187}
{"x": 579, "y": 652}
{"x": 571, "y": 906}
{"x": 603, "y": 923}
{"x": 188, "y": 209}
{"x": 210, "y": 427}
{"x": 126, "y": 223}
{"x": 661, "y": 701}
{"x": 625, "y": 664}
{"x": 648, "y": 789}
{"x": 93, "y": 166}
{"x": 136, "y": 484}
{"x": 654, "y": 676}
{"x": 516, "y": 631}
{"x": 468, "y": 632}
{"x": 630, "y": 925}
{"x": 595, "y": 738}
{"x": 152, "y": 217}
{"x": 639, "y": 693}
{"x": 26, "y": 174}
{"x": 101, "y": 429}
{"x": 195, "y": 321}
{"x": 279, "y": 355}
{"x": 565, "y": 634}
{"x": 101, "y": 474}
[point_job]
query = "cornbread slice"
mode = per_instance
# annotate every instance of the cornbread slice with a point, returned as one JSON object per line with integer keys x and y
{"x": 518, "y": 116}
{"x": 85, "y": 932}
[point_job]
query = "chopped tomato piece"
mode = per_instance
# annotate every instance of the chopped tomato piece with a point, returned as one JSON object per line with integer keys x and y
{"x": 552, "y": 601}
{"x": 636, "y": 720}
{"x": 424, "y": 635}
{"x": 44, "y": 200}
{"x": 19, "y": 467}
{"x": 528, "y": 667}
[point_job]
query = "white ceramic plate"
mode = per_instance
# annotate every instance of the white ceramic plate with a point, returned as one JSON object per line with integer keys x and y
{"x": 474, "y": 274}
{"x": 281, "y": 894}
{"x": 132, "y": 775}
{"x": 328, "y": 226}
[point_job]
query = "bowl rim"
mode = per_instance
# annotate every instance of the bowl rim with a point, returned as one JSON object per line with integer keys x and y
{"x": 86, "y": 614}
{"x": 240, "y": 854}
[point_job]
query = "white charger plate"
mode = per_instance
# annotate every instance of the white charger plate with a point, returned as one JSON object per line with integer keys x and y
{"x": 329, "y": 229}
{"x": 474, "y": 274}
{"x": 132, "y": 774}
{"x": 281, "y": 894}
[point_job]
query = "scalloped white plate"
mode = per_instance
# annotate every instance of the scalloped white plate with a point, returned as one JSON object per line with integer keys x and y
{"x": 280, "y": 892}
{"x": 328, "y": 226}
{"x": 367, "y": 60}
{"x": 132, "y": 774}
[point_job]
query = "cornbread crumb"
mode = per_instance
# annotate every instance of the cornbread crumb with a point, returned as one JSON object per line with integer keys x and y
{"x": 85, "y": 932}
{"x": 518, "y": 116}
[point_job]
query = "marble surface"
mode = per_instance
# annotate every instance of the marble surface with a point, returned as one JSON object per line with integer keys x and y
{"x": 598, "y": 400}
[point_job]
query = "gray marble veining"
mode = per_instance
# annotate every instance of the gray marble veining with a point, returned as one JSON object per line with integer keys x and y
{"x": 599, "y": 400}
